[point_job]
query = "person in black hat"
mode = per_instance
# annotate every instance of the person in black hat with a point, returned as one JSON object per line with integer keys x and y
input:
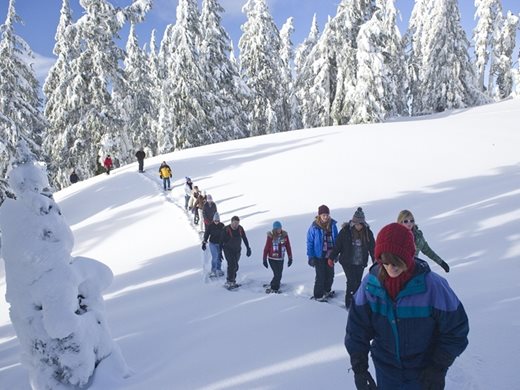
{"x": 140, "y": 159}
{"x": 231, "y": 244}
{"x": 354, "y": 244}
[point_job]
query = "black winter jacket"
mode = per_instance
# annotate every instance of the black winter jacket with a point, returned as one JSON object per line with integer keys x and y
{"x": 232, "y": 239}
{"x": 344, "y": 248}
{"x": 214, "y": 232}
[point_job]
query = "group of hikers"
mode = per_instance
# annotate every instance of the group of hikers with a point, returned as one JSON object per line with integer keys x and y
{"x": 403, "y": 314}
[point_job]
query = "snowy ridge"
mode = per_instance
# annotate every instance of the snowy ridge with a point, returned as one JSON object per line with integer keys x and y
{"x": 458, "y": 173}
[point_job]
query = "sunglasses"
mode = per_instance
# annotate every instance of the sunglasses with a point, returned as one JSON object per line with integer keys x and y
{"x": 409, "y": 221}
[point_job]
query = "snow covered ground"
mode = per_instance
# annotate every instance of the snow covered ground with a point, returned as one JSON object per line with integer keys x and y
{"x": 458, "y": 172}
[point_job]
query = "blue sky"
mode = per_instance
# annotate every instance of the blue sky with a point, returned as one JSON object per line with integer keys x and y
{"x": 41, "y": 18}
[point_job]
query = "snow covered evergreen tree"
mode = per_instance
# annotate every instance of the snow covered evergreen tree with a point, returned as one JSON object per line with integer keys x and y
{"x": 20, "y": 105}
{"x": 380, "y": 85}
{"x": 504, "y": 56}
{"x": 441, "y": 74}
{"x": 135, "y": 97}
{"x": 56, "y": 306}
{"x": 344, "y": 30}
{"x": 290, "y": 102}
{"x": 489, "y": 14}
{"x": 182, "y": 117}
{"x": 223, "y": 100}
{"x": 57, "y": 93}
{"x": 94, "y": 126}
{"x": 261, "y": 67}
{"x": 317, "y": 82}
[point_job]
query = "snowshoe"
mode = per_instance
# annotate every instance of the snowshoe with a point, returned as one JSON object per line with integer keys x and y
{"x": 220, "y": 273}
{"x": 231, "y": 285}
{"x": 321, "y": 299}
{"x": 330, "y": 294}
{"x": 270, "y": 290}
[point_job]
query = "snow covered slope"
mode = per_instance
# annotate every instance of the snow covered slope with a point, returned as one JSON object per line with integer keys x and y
{"x": 458, "y": 172}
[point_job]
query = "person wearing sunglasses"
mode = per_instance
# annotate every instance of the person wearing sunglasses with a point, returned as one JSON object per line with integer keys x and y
{"x": 407, "y": 317}
{"x": 406, "y": 218}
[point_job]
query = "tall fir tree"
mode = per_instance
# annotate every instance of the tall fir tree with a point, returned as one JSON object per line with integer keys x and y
{"x": 442, "y": 75}
{"x": 135, "y": 98}
{"x": 223, "y": 100}
{"x": 290, "y": 102}
{"x": 380, "y": 85}
{"x": 57, "y": 93}
{"x": 504, "y": 56}
{"x": 183, "y": 118}
{"x": 261, "y": 67}
{"x": 93, "y": 126}
{"x": 485, "y": 34}
{"x": 21, "y": 120}
{"x": 345, "y": 28}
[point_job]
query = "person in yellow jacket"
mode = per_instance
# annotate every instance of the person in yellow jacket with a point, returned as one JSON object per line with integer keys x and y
{"x": 165, "y": 174}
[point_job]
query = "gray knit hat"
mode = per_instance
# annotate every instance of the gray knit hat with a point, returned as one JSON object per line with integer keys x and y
{"x": 359, "y": 216}
{"x": 216, "y": 217}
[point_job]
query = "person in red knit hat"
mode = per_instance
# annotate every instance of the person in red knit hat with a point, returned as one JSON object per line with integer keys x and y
{"x": 407, "y": 317}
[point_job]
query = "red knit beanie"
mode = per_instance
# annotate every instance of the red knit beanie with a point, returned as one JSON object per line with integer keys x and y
{"x": 398, "y": 240}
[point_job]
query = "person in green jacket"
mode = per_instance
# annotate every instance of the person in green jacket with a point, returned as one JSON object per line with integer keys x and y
{"x": 406, "y": 218}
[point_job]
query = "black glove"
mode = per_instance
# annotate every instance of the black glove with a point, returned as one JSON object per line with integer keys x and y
{"x": 433, "y": 378}
{"x": 265, "y": 264}
{"x": 364, "y": 381}
{"x": 289, "y": 263}
{"x": 203, "y": 246}
{"x": 311, "y": 261}
{"x": 248, "y": 252}
{"x": 445, "y": 266}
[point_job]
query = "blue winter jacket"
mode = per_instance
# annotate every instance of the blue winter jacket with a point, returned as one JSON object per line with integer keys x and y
{"x": 425, "y": 326}
{"x": 315, "y": 239}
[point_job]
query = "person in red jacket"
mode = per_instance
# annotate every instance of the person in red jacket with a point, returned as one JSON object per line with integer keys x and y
{"x": 108, "y": 164}
{"x": 276, "y": 245}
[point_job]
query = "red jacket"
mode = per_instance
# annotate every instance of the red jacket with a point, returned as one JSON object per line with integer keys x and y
{"x": 276, "y": 245}
{"x": 108, "y": 162}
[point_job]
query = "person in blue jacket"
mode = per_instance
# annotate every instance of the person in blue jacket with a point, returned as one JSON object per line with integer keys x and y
{"x": 407, "y": 317}
{"x": 321, "y": 238}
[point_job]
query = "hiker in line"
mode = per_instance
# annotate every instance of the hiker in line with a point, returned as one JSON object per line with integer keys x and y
{"x": 354, "y": 244}
{"x": 140, "y": 159}
{"x": 165, "y": 173}
{"x": 208, "y": 210}
{"x": 108, "y": 164}
{"x": 406, "y": 317}
{"x": 406, "y": 218}
{"x": 231, "y": 244}
{"x": 74, "y": 178}
{"x": 188, "y": 189}
{"x": 276, "y": 244}
{"x": 192, "y": 205}
{"x": 321, "y": 238}
{"x": 212, "y": 236}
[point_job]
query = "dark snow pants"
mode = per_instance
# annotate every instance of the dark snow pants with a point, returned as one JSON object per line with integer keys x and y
{"x": 232, "y": 258}
{"x": 277, "y": 268}
{"x": 141, "y": 165}
{"x": 324, "y": 278}
{"x": 354, "y": 274}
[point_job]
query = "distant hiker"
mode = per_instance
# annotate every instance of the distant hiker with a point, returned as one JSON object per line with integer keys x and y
{"x": 321, "y": 238}
{"x": 208, "y": 210}
{"x": 231, "y": 243}
{"x": 276, "y": 244}
{"x": 188, "y": 189}
{"x": 406, "y": 218}
{"x": 108, "y": 164}
{"x": 213, "y": 234}
{"x": 193, "y": 204}
{"x": 199, "y": 206}
{"x": 140, "y": 159}
{"x": 354, "y": 243}
{"x": 165, "y": 173}
{"x": 74, "y": 178}
{"x": 406, "y": 317}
